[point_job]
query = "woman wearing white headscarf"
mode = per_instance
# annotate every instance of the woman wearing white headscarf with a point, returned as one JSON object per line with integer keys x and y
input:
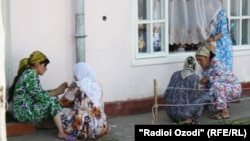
{"x": 183, "y": 102}
{"x": 86, "y": 80}
{"x": 83, "y": 114}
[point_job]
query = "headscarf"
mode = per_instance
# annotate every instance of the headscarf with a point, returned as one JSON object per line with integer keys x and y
{"x": 189, "y": 67}
{"x": 86, "y": 80}
{"x": 22, "y": 65}
{"x": 35, "y": 57}
{"x": 190, "y": 63}
{"x": 212, "y": 8}
{"x": 205, "y": 50}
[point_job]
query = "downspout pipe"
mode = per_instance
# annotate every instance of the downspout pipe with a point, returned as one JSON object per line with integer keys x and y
{"x": 80, "y": 31}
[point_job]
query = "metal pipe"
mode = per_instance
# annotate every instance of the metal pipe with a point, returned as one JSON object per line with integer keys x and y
{"x": 80, "y": 31}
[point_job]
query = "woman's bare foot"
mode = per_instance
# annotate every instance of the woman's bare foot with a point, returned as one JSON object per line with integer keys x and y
{"x": 188, "y": 121}
{"x": 62, "y": 135}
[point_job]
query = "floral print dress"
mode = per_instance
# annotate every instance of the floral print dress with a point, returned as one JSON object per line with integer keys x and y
{"x": 31, "y": 103}
{"x": 80, "y": 117}
{"x": 183, "y": 99}
{"x": 223, "y": 44}
{"x": 223, "y": 85}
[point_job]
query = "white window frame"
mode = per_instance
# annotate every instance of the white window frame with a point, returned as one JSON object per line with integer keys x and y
{"x": 238, "y": 50}
{"x": 156, "y": 58}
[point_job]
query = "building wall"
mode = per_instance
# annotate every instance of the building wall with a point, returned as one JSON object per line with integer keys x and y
{"x": 48, "y": 26}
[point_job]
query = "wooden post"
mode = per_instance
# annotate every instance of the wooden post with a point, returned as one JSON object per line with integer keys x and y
{"x": 156, "y": 102}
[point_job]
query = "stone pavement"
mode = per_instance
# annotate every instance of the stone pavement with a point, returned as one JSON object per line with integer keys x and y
{"x": 122, "y": 128}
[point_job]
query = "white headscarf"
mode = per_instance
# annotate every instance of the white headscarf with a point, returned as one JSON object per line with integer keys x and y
{"x": 86, "y": 80}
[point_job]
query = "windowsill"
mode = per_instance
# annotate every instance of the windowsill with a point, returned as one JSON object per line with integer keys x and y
{"x": 178, "y": 57}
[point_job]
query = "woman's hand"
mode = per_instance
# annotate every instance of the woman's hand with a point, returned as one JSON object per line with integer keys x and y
{"x": 204, "y": 80}
{"x": 214, "y": 38}
{"x": 211, "y": 39}
{"x": 62, "y": 87}
{"x": 59, "y": 90}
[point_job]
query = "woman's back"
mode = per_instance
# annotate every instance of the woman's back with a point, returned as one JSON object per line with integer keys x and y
{"x": 81, "y": 117}
{"x": 84, "y": 114}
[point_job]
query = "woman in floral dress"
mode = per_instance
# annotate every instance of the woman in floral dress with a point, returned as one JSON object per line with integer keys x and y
{"x": 221, "y": 35}
{"x": 217, "y": 80}
{"x": 83, "y": 112}
{"x": 182, "y": 98}
{"x": 31, "y": 103}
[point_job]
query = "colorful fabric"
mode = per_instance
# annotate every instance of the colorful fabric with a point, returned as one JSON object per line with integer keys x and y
{"x": 223, "y": 44}
{"x": 83, "y": 118}
{"x": 86, "y": 80}
{"x": 30, "y": 102}
{"x": 223, "y": 85}
{"x": 183, "y": 97}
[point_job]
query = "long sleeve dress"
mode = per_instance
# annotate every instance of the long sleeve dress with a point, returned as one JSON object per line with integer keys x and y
{"x": 182, "y": 98}
{"x": 223, "y": 85}
{"x": 223, "y": 44}
{"x": 31, "y": 103}
{"x": 81, "y": 117}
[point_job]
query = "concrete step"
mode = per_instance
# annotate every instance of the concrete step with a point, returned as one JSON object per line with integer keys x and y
{"x": 18, "y": 128}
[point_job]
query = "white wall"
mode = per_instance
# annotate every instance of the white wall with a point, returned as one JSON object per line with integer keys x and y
{"x": 48, "y": 25}
{"x": 241, "y": 67}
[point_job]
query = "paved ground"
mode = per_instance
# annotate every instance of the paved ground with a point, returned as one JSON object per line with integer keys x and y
{"x": 122, "y": 128}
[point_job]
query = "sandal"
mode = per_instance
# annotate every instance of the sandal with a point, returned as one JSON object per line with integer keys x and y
{"x": 219, "y": 116}
{"x": 68, "y": 138}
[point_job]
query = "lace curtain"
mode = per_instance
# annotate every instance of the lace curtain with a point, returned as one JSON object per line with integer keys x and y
{"x": 190, "y": 21}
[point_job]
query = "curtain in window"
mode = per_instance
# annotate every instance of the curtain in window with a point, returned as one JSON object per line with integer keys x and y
{"x": 190, "y": 21}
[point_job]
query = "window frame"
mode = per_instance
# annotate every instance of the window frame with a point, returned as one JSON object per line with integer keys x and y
{"x": 238, "y": 50}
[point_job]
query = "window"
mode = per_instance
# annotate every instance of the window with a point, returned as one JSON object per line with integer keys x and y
{"x": 240, "y": 22}
{"x": 151, "y": 40}
{"x": 151, "y": 26}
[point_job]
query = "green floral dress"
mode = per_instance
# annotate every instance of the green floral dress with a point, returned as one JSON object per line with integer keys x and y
{"x": 31, "y": 103}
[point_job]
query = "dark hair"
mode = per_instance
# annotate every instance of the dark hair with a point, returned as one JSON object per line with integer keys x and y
{"x": 45, "y": 62}
{"x": 212, "y": 54}
{"x": 11, "y": 89}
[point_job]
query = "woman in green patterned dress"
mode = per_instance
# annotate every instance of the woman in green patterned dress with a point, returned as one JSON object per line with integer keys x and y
{"x": 31, "y": 103}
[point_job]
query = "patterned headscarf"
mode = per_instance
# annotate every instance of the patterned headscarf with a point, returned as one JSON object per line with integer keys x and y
{"x": 189, "y": 67}
{"x": 35, "y": 57}
{"x": 205, "y": 50}
{"x": 86, "y": 80}
{"x": 190, "y": 63}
